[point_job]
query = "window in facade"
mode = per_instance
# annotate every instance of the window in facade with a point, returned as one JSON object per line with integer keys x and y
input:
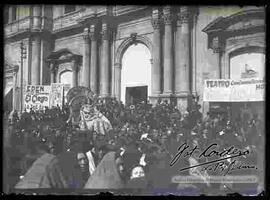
{"x": 66, "y": 77}
{"x": 247, "y": 65}
{"x": 6, "y": 15}
{"x": 14, "y": 13}
{"x": 69, "y": 8}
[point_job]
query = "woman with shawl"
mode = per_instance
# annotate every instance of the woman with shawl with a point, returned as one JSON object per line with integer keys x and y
{"x": 67, "y": 170}
{"x": 107, "y": 174}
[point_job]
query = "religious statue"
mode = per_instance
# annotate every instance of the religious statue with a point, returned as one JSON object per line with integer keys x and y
{"x": 92, "y": 119}
{"x": 83, "y": 112}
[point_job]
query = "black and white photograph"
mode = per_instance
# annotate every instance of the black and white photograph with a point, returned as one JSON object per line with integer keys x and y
{"x": 134, "y": 99}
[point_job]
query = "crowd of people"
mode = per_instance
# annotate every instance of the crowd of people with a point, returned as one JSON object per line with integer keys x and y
{"x": 136, "y": 153}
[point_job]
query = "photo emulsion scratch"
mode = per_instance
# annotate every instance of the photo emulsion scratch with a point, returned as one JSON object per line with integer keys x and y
{"x": 134, "y": 100}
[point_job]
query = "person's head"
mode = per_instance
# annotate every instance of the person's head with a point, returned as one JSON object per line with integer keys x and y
{"x": 229, "y": 125}
{"x": 185, "y": 114}
{"x": 51, "y": 148}
{"x": 82, "y": 161}
{"x": 163, "y": 139}
{"x": 137, "y": 172}
{"x": 155, "y": 133}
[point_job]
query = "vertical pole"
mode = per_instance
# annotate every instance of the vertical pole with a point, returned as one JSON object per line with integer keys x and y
{"x": 21, "y": 76}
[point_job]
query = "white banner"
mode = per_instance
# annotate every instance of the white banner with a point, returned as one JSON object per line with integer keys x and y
{"x": 56, "y": 97}
{"x": 36, "y": 97}
{"x": 229, "y": 90}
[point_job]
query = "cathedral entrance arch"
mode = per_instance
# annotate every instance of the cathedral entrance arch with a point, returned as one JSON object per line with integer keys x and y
{"x": 133, "y": 70}
{"x": 136, "y": 74}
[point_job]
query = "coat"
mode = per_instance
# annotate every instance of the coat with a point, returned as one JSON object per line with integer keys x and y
{"x": 106, "y": 175}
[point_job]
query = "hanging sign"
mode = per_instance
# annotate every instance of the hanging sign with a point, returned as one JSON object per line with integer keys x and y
{"x": 229, "y": 90}
{"x": 37, "y": 97}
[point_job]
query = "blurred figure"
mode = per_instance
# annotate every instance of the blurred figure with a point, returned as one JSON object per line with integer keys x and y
{"x": 107, "y": 174}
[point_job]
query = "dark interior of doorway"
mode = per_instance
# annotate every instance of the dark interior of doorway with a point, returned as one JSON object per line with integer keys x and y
{"x": 136, "y": 94}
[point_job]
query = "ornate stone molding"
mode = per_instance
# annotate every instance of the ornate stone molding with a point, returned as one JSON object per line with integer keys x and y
{"x": 127, "y": 42}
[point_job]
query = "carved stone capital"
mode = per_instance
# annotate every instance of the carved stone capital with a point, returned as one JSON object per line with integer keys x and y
{"x": 217, "y": 45}
{"x": 167, "y": 15}
{"x": 183, "y": 16}
{"x": 156, "y": 22}
{"x": 92, "y": 33}
{"x": 86, "y": 34}
{"x": 53, "y": 67}
{"x": 74, "y": 66}
{"x": 105, "y": 32}
{"x": 118, "y": 65}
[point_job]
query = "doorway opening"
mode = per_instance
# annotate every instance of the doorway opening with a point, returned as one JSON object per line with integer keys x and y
{"x": 136, "y": 74}
{"x": 135, "y": 95}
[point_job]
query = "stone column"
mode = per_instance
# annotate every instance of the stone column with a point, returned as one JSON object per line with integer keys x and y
{"x": 53, "y": 72}
{"x": 168, "y": 53}
{"x": 35, "y": 67}
{"x": 104, "y": 71}
{"x": 14, "y": 100}
{"x": 74, "y": 73}
{"x": 217, "y": 50}
{"x": 194, "y": 51}
{"x": 182, "y": 60}
{"x": 182, "y": 82}
{"x": 86, "y": 59}
{"x": 156, "y": 68}
{"x": 36, "y": 17}
{"x": 117, "y": 80}
{"x": 93, "y": 69}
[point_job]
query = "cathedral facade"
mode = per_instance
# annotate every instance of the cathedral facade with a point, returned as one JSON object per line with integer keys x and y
{"x": 85, "y": 45}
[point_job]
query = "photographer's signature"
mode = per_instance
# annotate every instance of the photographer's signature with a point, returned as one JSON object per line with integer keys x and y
{"x": 225, "y": 161}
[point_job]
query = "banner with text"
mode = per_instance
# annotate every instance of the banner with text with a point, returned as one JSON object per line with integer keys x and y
{"x": 229, "y": 90}
{"x": 37, "y": 97}
{"x": 56, "y": 97}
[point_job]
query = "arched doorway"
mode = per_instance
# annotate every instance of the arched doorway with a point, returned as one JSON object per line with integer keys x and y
{"x": 65, "y": 77}
{"x": 136, "y": 74}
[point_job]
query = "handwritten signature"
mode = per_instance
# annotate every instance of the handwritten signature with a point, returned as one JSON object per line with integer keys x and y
{"x": 211, "y": 151}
